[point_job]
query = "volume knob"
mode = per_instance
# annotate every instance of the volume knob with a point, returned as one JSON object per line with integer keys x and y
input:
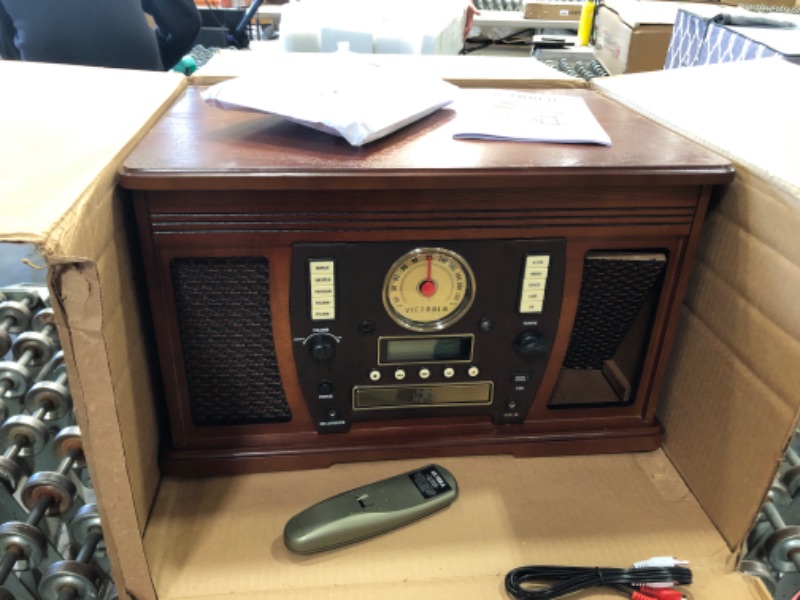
{"x": 322, "y": 347}
{"x": 530, "y": 342}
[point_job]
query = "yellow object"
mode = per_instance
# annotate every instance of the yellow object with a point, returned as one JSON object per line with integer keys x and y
{"x": 585, "y": 24}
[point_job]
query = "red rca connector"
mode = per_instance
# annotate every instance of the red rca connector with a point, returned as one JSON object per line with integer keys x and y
{"x": 640, "y": 596}
{"x": 662, "y": 593}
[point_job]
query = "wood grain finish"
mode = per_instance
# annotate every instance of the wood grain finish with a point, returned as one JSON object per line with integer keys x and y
{"x": 197, "y": 147}
{"x": 211, "y": 183}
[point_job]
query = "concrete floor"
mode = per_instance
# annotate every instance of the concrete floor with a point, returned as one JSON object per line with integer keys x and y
{"x": 14, "y": 269}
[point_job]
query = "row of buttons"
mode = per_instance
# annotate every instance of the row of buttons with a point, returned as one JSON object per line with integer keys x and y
{"x": 326, "y": 388}
{"x": 322, "y": 280}
{"x": 423, "y": 373}
{"x": 534, "y": 282}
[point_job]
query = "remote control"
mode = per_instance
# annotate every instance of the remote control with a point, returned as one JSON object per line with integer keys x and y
{"x": 370, "y": 510}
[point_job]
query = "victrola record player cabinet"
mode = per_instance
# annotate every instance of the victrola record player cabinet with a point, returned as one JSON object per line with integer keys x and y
{"x": 420, "y": 296}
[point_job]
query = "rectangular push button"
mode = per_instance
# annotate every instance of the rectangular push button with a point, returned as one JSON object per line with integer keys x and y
{"x": 537, "y": 260}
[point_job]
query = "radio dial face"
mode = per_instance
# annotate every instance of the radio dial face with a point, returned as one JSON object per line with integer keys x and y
{"x": 428, "y": 289}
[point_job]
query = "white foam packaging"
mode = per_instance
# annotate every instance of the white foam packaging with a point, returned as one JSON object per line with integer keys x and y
{"x": 374, "y": 27}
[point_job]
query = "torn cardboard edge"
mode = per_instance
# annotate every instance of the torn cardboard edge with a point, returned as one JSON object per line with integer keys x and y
{"x": 112, "y": 483}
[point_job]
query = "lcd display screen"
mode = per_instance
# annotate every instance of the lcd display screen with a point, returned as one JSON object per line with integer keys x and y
{"x": 425, "y": 349}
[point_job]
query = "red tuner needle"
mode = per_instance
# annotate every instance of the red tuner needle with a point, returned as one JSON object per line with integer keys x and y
{"x": 428, "y": 287}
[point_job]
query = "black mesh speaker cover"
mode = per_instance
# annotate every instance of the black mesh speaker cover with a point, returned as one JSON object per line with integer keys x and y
{"x": 613, "y": 290}
{"x": 228, "y": 349}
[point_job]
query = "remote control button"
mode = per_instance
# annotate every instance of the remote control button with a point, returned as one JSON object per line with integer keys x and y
{"x": 375, "y": 375}
{"x": 424, "y": 373}
{"x": 400, "y": 374}
{"x": 473, "y": 371}
{"x": 448, "y": 372}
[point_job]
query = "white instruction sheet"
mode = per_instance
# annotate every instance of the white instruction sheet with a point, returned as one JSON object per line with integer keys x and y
{"x": 527, "y": 117}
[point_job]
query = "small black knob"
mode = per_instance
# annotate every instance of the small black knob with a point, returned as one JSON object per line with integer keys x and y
{"x": 366, "y": 327}
{"x": 486, "y": 324}
{"x": 322, "y": 347}
{"x": 530, "y": 342}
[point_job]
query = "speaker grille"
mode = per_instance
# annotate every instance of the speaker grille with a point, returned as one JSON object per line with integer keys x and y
{"x": 613, "y": 289}
{"x": 226, "y": 333}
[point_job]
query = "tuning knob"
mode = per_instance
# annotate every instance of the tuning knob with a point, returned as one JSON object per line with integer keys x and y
{"x": 530, "y": 342}
{"x": 322, "y": 347}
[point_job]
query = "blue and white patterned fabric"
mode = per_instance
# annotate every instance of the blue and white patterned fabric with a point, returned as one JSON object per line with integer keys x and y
{"x": 698, "y": 40}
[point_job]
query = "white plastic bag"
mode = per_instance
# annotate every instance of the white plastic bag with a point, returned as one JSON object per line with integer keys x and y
{"x": 343, "y": 94}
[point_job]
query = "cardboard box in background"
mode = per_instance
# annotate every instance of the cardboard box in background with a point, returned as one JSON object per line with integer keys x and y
{"x": 569, "y": 10}
{"x": 633, "y": 36}
{"x": 730, "y": 405}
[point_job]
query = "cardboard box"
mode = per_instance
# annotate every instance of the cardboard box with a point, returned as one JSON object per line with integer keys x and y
{"x": 553, "y": 11}
{"x": 746, "y": 276}
{"x": 729, "y": 408}
{"x": 66, "y": 129}
{"x": 633, "y": 36}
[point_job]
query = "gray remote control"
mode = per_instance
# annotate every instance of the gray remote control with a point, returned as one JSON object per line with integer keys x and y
{"x": 370, "y": 510}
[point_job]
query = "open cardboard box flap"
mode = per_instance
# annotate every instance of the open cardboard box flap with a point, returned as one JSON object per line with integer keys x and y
{"x": 731, "y": 403}
{"x": 728, "y": 414}
{"x": 65, "y": 131}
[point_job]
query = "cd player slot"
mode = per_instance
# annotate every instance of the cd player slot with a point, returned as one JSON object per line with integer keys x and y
{"x": 372, "y": 398}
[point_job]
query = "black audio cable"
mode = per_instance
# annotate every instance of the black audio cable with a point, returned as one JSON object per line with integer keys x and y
{"x": 548, "y": 582}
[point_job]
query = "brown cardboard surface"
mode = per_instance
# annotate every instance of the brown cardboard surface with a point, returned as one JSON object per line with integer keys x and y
{"x": 463, "y": 71}
{"x": 633, "y": 36}
{"x": 553, "y": 11}
{"x": 738, "y": 311}
{"x": 65, "y": 130}
{"x": 594, "y": 510}
{"x": 730, "y": 90}
{"x": 59, "y": 130}
{"x": 730, "y": 404}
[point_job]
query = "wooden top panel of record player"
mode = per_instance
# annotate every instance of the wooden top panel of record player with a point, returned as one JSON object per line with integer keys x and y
{"x": 199, "y": 147}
